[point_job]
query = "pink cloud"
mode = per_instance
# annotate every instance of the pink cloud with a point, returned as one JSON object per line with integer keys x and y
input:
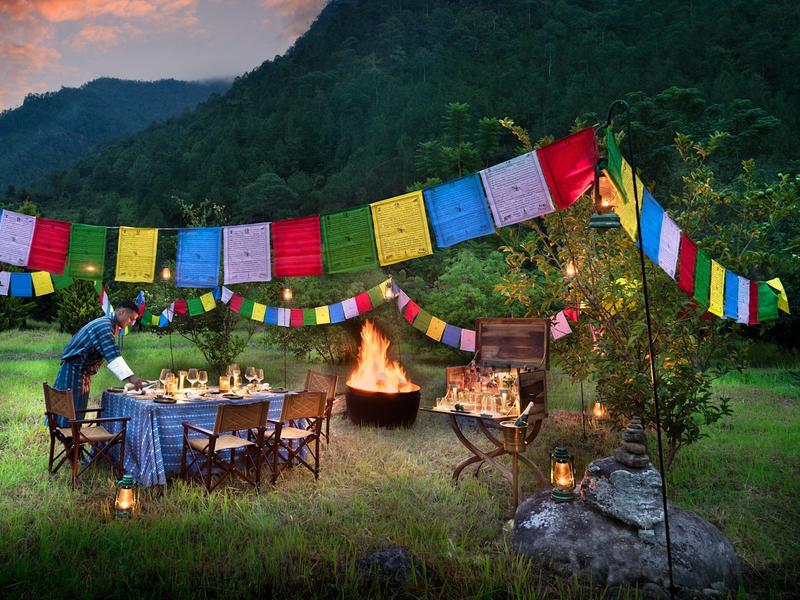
{"x": 18, "y": 65}
{"x": 297, "y": 14}
{"x": 97, "y": 35}
{"x": 56, "y": 11}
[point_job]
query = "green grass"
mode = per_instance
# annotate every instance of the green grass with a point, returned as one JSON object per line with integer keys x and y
{"x": 378, "y": 488}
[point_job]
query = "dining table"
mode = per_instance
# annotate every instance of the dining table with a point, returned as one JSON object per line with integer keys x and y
{"x": 154, "y": 437}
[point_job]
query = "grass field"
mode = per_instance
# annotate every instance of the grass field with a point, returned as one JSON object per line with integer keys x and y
{"x": 378, "y": 488}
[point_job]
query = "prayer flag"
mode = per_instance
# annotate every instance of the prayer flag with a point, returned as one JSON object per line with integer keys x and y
{"x": 49, "y": 246}
{"x": 411, "y": 312}
{"x": 296, "y": 246}
{"x": 451, "y": 335}
{"x": 198, "y": 257}
{"x": 309, "y": 316}
{"x": 284, "y": 317}
{"x": 614, "y": 171}
{"x": 731, "y": 309}
{"x": 195, "y": 307}
{"x": 154, "y": 321}
{"x": 401, "y": 228}
{"x": 140, "y": 304}
{"x": 783, "y": 300}
{"x": 559, "y": 326}
{"x": 180, "y": 307}
{"x": 363, "y": 302}
{"x": 226, "y": 295}
{"x": 136, "y": 254}
{"x": 423, "y": 321}
{"x": 702, "y": 278}
{"x": 568, "y": 166}
{"x": 376, "y": 295}
{"x": 458, "y": 211}
{"x": 717, "y": 292}
{"x": 62, "y": 281}
{"x": 87, "y": 251}
{"x": 247, "y": 253}
{"x": 517, "y": 190}
{"x": 246, "y": 309}
{"x": 669, "y": 246}
{"x": 402, "y": 300}
{"x": 348, "y": 240}
{"x": 336, "y": 312}
{"x": 767, "y": 302}
{"x": 435, "y": 328}
{"x": 217, "y": 293}
{"x": 743, "y": 315}
{"x": 208, "y": 301}
{"x": 687, "y": 262}
{"x": 42, "y": 284}
{"x": 296, "y": 317}
{"x": 625, "y": 206}
{"x": 5, "y": 283}
{"x": 271, "y": 315}
{"x": 163, "y": 321}
{"x": 259, "y": 312}
{"x": 468, "y": 340}
{"x": 323, "y": 317}
{"x": 16, "y": 234}
{"x": 350, "y": 308}
{"x": 753, "y": 304}
{"x": 21, "y": 285}
{"x": 235, "y": 303}
{"x": 652, "y": 219}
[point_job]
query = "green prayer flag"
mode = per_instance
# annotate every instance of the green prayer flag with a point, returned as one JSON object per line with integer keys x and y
{"x": 61, "y": 281}
{"x": 147, "y": 317}
{"x": 309, "y": 316}
{"x": 348, "y": 240}
{"x": 87, "y": 251}
{"x": 376, "y": 296}
{"x": 422, "y": 321}
{"x": 195, "y": 307}
{"x": 767, "y": 302}
{"x": 702, "y": 278}
{"x": 247, "y": 308}
{"x": 614, "y": 159}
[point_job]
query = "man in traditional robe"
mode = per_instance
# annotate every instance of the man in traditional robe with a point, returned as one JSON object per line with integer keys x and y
{"x": 85, "y": 353}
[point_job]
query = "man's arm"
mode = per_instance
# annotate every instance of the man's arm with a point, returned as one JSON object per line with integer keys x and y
{"x": 103, "y": 338}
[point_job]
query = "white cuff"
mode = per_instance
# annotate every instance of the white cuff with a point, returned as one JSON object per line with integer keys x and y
{"x": 120, "y": 368}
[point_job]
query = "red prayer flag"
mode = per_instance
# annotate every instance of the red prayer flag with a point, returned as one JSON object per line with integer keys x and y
{"x": 572, "y": 312}
{"x": 181, "y": 307}
{"x": 236, "y": 303}
{"x": 688, "y": 257}
{"x": 297, "y": 247}
{"x": 568, "y": 166}
{"x": 753, "y": 316}
{"x": 296, "y": 317}
{"x": 363, "y": 303}
{"x": 49, "y": 246}
{"x": 411, "y": 312}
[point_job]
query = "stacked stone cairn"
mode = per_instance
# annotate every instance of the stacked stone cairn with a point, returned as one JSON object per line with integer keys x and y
{"x": 633, "y": 452}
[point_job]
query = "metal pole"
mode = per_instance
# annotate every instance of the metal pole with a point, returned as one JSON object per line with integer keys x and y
{"x": 285, "y": 341}
{"x": 650, "y": 346}
{"x": 583, "y": 412}
{"x": 171, "y": 355}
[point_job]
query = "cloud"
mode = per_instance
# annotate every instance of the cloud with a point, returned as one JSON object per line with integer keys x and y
{"x": 19, "y": 64}
{"x": 296, "y": 14}
{"x": 97, "y": 35}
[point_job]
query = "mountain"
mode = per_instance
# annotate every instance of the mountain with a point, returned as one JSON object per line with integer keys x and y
{"x": 52, "y": 131}
{"x": 338, "y": 119}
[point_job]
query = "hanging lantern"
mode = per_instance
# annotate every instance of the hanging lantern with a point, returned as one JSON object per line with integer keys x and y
{"x": 570, "y": 270}
{"x": 127, "y": 497}
{"x": 388, "y": 293}
{"x": 286, "y": 294}
{"x": 166, "y": 273}
{"x": 562, "y": 475}
{"x": 605, "y": 198}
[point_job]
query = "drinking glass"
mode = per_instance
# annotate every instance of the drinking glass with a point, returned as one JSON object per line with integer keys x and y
{"x": 181, "y": 379}
{"x": 163, "y": 378}
{"x": 259, "y": 376}
{"x": 202, "y": 378}
{"x": 192, "y": 376}
{"x": 250, "y": 374}
{"x": 233, "y": 371}
{"x": 170, "y": 385}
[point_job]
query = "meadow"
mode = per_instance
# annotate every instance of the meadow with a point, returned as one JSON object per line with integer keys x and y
{"x": 377, "y": 489}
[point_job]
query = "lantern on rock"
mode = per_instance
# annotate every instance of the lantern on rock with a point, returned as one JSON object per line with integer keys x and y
{"x": 562, "y": 475}
{"x": 605, "y": 198}
{"x": 127, "y": 497}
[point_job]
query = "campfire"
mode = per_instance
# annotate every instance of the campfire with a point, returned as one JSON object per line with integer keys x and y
{"x": 378, "y": 390}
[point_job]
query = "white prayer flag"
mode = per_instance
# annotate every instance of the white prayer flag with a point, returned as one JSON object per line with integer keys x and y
{"x": 284, "y": 317}
{"x": 350, "y": 308}
{"x": 5, "y": 282}
{"x": 467, "y": 340}
{"x": 247, "y": 255}
{"x": 225, "y": 295}
{"x": 16, "y": 233}
{"x": 744, "y": 301}
{"x": 670, "y": 243}
{"x": 402, "y": 300}
{"x": 517, "y": 190}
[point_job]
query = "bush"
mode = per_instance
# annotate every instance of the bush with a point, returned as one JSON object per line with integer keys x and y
{"x": 76, "y": 305}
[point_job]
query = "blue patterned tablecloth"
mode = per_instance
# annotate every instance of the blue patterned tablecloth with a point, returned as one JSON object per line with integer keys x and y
{"x": 154, "y": 439}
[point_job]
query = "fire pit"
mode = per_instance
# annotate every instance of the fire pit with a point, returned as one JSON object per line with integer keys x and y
{"x": 378, "y": 391}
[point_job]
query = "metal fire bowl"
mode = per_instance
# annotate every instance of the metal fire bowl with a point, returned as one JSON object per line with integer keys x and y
{"x": 382, "y": 409}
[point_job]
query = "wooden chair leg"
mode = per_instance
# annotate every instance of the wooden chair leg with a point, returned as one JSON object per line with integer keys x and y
{"x": 122, "y": 452}
{"x": 316, "y": 457}
{"x": 328, "y": 429}
{"x": 52, "y": 455}
{"x": 76, "y": 448}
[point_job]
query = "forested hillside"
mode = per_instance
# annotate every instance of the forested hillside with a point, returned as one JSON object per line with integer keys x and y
{"x": 52, "y": 131}
{"x": 337, "y": 120}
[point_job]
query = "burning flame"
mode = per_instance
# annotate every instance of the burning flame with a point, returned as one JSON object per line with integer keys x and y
{"x": 375, "y": 372}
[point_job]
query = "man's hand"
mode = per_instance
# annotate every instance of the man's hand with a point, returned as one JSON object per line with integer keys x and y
{"x": 137, "y": 382}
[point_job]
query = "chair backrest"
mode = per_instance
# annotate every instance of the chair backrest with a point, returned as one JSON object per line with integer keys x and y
{"x": 320, "y": 382}
{"x": 235, "y": 417}
{"x": 58, "y": 402}
{"x": 303, "y": 405}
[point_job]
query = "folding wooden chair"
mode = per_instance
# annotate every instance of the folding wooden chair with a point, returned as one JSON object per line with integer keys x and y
{"x": 320, "y": 382}
{"x": 206, "y": 451}
{"x": 80, "y": 435}
{"x": 308, "y": 406}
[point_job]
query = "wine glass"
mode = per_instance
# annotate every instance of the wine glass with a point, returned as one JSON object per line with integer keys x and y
{"x": 163, "y": 378}
{"x": 181, "y": 379}
{"x": 170, "y": 384}
{"x": 233, "y": 371}
{"x": 192, "y": 376}
{"x": 259, "y": 376}
{"x": 202, "y": 378}
{"x": 250, "y": 374}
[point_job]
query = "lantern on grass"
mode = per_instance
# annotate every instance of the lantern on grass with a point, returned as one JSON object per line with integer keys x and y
{"x": 562, "y": 475}
{"x": 605, "y": 197}
{"x": 127, "y": 497}
{"x": 599, "y": 410}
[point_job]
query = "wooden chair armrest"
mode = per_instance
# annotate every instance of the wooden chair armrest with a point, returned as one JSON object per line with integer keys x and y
{"x": 274, "y": 422}
{"x": 100, "y": 420}
{"x": 205, "y": 432}
{"x": 83, "y": 411}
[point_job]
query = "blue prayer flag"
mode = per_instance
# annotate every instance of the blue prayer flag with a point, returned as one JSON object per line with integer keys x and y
{"x": 337, "y": 312}
{"x": 271, "y": 315}
{"x": 21, "y": 285}
{"x": 163, "y": 321}
{"x": 458, "y": 210}
{"x": 198, "y": 257}
{"x": 652, "y": 217}
{"x": 451, "y": 335}
{"x": 217, "y": 293}
{"x": 731, "y": 308}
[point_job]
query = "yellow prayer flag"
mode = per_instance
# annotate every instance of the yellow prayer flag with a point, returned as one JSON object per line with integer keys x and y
{"x": 323, "y": 315}
{"x": 42, "y": 283}
{"x": 208, "y": 301}
{"x": 783, "y": 299}
{"x": 259, "y": 310}
{"x": 154, "y": 320}
{"x": 136, "y": 254}
{"x": 401, "y": 228}
{"x": 436, "y": 329}
{"x": 626, "y": 206}
{"x": 717, "y": 289}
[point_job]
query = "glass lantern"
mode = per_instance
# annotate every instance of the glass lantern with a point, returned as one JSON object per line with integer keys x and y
{"x": 562, "y": 475}
{"x": 127, "y": 497}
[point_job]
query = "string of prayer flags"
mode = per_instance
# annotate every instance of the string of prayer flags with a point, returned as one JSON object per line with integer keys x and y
{"x": 621, "y": 175}
{"x": 767, "y": 302}
{"x": 198, "y": 257}
{"x": 247, "y": 253}
{"x": 181, "y": 307}
{"x": 225, "y": 295}
{"x": 783, "y": 299}
{"x": 687, "y": 262}
{"x": 411, "y": 312}
{"x": 376, "y": 296}
{"x": 297, "y": 247}
{"x": 5, "y": 283}
{"x": 517, "y": 190}
{"x": 136, "y": 254}
{"x": 195, "y": 307}
{"x": 717, "y": 289}
{"x": 458, "y": 211}
{"x": 235, "y": 303}
{"x": 423, "y": 321}
{"x": 259, "y": 312}
{"x": 435, "y": 328}
{"x": 451, "y": 335}
{"x": 87, "y": 251}
{"x": 363, "y": 302}
{"x": 669, "y": 245}
{"x": 296, "y": 317}
{"x": 743, "y": 310}
{"x": 568, "y": 166}
{"x": 21, "y": 285}
{"x": 731, "y": 302}
{"x": 336, "y": 312}
{"x": 284, "y": 317}
{"x": 322, "y": 316}
{"x": 348, "y": 240}
{"x": 467, "y": 340}
{"x": 271, "y": 315}
{"x": 246, "y": 309}
{"x": 49, "y": 246}
{"x": 42, "y": 284}
{"x": 350, "y": 308}
{"x": 309, "y": 317}
{"x": 401, "y": 228}
{"x": 652, "y": 219}
{"x": 702, "y": 278}
{"x": 16, "y": 234}
{"x": 208, "y": 302}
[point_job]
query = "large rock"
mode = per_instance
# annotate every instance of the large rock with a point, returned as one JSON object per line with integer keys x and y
{"x": 629, "y": 494}
{"x": 574, "y": 538}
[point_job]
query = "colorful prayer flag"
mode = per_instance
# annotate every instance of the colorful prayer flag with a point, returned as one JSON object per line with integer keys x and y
{"x": 42, "y": 284}
{"x": 296, "y": 317}
{"x": 559, "y": 326}
{"x": 284, "y": 317}
{"x": 411, "y": 312}
{"x": 62, "y": 281}
{"x": 323, "y": 317}
{"x": 197, "y": 265}
{"x": 435, "y": 328}
{"x": 687, "y": 262}
{"x": 271, "y": 315}
{"x": 568, "y": 166}
{"x": 625, "y": 206}
{"x": 783, "y": 299}
{"x": 423, "y": 321}
{"x": 517, "y": 190}
{"x": 297, "y": 247}
{"x": 87, "y": 251}
{"x": 753, "y": 304}
{"x": 743, "y": 315}
{"x": 348, "y": 240}
{"x": 225, "y": 295}
{"x": 208, "y": 302}
{"x": 259, "y": 312}
{"x": 767, "y": 302}
{"x": 401, "y": 228}
{"x": 235, "y": 303}
{"x": 652, "y": 220}
{"x": 717, "y": 289}
{"x": 350, "y": 308}
{"x": 5, "y": 283}
{"x": 246, "y": 309}
{"x": 451, "y": 335}
{"x": 16, "y": 234}
{"x": 363, "y": 302}
{"x": 195, "y": 307}
{"x": 21, "y": 285}
{"x": 458, "y": 211}
{"x": 702, "y": 278}
{"x": 376, "y": 295}
{"x": 136, "y": 254}
{"x": 731, "y": 306}
{"x": 468, "y": 340}
{"x": 180, "y": 307}
{"x": 247, "y": 253}
{"x": 336, "y": 312}
{"x": 309, "y": 316}
{"x": 49, "y": 246}
{"x": 669, "y": 246}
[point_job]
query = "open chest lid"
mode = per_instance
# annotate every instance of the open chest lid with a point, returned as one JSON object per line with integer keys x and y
{"x": 513, "y": 343}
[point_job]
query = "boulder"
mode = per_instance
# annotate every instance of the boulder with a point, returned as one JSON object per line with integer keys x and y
{"x": 389, "y": 566}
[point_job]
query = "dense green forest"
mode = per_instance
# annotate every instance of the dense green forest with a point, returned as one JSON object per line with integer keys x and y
{"x": 54, "y": 130}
